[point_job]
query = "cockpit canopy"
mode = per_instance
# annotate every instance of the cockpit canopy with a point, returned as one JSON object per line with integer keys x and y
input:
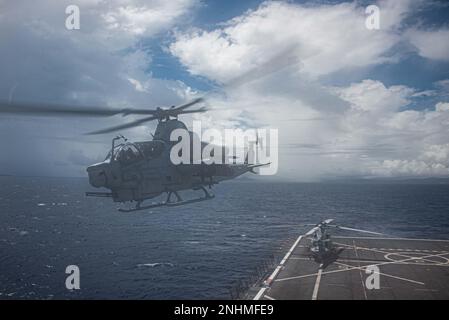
{"x": 128, "y": 153}
{"x": 125, "y": 153}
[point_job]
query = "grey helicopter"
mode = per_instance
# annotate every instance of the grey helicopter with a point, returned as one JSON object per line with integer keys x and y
{"x": 321, "y": 248}
{"x": 139, "y": 171}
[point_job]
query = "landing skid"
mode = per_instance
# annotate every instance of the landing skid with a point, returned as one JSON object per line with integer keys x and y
{"x": 169, "y": 203}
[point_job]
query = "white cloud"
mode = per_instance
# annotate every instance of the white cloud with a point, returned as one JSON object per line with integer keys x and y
{"x": 324, "y": 131}
{"x": 360, "y": 129}
{"x": 434, "y": 161}
{"x": 146, "y": 17}
{"x": 431, "y": 44}
{"x": 42, "y": 61}
{"x": 326, "y": 38}
{"x": 412, "y": 142}
{"x": 442, "y": 107}
{"x": 375, "y": 136}
{"x": 138, "y": 86}
{"x": 373, "y": 96}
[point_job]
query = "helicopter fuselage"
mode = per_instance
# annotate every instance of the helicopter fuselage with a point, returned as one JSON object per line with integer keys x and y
{"x": 143, "y": 170}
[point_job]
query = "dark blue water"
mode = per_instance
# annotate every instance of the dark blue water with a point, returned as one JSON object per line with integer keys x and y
{"x": 199, "y": 251}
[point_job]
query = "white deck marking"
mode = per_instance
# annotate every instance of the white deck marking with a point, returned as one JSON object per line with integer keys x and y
{"x": 377, "y": 238}
{"x": 291, "y": 250}
{"x": 317, "y": 283}
{"x": 343, "y": 260}
{"x": 401, "y": 254}
{"x": 360, "y": 270}
{"x": 430, "y": 290}
{"x": 268, "y": 297}
{"x": 381, "y": 273}
{"x": 273, "y": 275}
{"x": 378, "y": 264}
{"x": 398, "y": 253}
{"x": 276, "y": 271}
{"x": 260, "y": 293}
{"x": 408, "y": 260}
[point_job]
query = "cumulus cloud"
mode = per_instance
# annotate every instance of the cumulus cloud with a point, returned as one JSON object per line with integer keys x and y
{"x": 414, "y": 142}
{"x": 322, "y": 36}
{"x": 145, "y": 17}
{"x": 101, "y": 64}
{"x": 442, "y": 106}
{"x": 433, "y": 161}
{"x": 431, "y": 44}
{"x": 365, "y": 128}
{"x": 375, "y": 136}
{"x": 372, "y": 96}
{"x": 274, "y": 63}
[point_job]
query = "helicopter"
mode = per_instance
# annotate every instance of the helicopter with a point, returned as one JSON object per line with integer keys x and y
{"x": 139, "y": 171}
{"x": 321, "y": 248}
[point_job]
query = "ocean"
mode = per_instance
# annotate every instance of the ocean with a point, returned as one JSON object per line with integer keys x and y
{"x": 198, "y": 251}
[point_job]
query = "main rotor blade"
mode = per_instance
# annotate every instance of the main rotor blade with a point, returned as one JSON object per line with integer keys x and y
{"x": 189, "y": 104}
{"x": 163, "y": 112}
{"x": 280, "y": 61}
{"x": 89, "y": 111}
{"x": 52, "y": 109}
{"x": 360, "y": 230}
{"x": 203, "y": 109}
{"x": 123, "y": 126}
{"x": 139, "y": 122}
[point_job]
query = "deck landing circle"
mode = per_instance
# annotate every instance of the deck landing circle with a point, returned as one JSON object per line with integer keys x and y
{"x": 401, "y": 255}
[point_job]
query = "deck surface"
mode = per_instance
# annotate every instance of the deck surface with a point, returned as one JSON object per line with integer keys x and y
{"x": 409, "y": 269}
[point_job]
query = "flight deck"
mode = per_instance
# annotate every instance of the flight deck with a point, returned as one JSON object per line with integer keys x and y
{"x": 408, "y": 269}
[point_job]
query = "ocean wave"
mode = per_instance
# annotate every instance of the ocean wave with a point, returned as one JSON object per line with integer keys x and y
{"x": 155, "y": 264}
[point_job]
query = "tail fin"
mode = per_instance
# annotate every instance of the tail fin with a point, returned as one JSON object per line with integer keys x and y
{"x": 250, "y": 148}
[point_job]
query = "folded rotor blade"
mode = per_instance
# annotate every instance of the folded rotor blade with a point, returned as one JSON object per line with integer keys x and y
{"x": 312, "y": 231}
{"x": 360, "y": 230}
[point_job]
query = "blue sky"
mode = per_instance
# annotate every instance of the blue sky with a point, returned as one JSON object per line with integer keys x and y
{"x": 347, "y": 101}
{"x": 411, "y": 70}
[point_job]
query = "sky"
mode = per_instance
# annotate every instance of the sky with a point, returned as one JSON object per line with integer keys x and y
{"x": 349, "y": 102}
